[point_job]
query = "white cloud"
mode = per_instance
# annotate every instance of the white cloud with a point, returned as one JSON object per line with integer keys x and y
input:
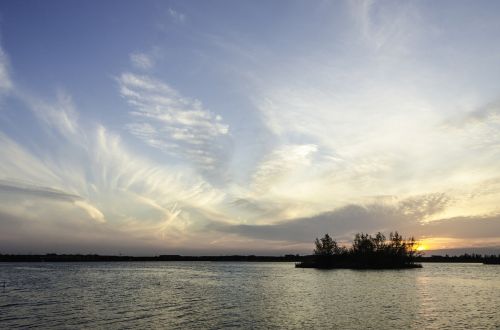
{"x": 125, "y": 191}
{"x": 39, "y": 194}
{"x": 5, "y": 81}
{"x": 176, "y": 16}
{"x": 386, "y": 28}
{"x": 92, "y": 211}
{"x": 19, "y": 191}
{"x": 142, "y": 61}
{"x": 178, "y": 125}
{"x": 281, "y": 164}
{"x": 21, "y": 165}
{"x": 89, "y": 169}
{"x": 60, "y": 115}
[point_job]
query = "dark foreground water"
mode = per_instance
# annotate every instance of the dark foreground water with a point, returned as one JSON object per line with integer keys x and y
{"x": 187, "y": 295}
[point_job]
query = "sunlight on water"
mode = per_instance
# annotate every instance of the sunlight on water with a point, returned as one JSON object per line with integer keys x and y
{"x": 247, "y": 295}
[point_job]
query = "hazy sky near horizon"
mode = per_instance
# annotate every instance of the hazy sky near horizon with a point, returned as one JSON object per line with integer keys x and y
{"x": 148, "y": 127}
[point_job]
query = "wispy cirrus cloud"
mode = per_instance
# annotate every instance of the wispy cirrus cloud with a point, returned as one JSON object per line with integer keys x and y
{"x": 11, "y": 187}
{"x": 282, "y": 163}
{"x": 176, "y": 16}
{"x": 178, "y": 125}
{"x": 58, "y": 116}
{"x": 386, "y": 28}
{"x": 479, "y": 117}
{"x": 5, "y": 81}
{"x": 17, "y": 190}
{"x": 88, "y": 173}
{"x": 132, "y": 195}
{"x": 86, "y": 176}
{"x": 142, "y": 60}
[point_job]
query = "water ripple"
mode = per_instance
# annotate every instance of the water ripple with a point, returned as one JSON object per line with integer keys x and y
{"x": 246, "y": 295}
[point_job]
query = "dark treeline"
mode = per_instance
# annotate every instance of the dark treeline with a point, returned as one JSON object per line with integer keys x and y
{"x": 471, "y": 258}
{"x": 52, "y": 257}
{"x": 366, "y": 252}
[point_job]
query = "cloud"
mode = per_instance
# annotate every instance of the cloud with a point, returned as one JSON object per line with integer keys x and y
{"x": 176, "y": 16}
{"x": 91, "y": 210}
{"x": 88, "y": 173}
{"x": 422, "y": 207}
{"x": 134, "y": 196}
{"x": 11, "y": 187}
{"x": 476, "y": 130}
{"x": 142, "y": 61}
{"x": 57, "y": 116}
{"x": 119, "y": 169}
{"x": 385, "y": 27}
{"x": 489, "y": 114}
{"x": 281, "y": 164}
{"x": 375, "y": 134}
{"x": 344, "y": 222}
{"x": 5, "y": 81}
{"x": 19, "y": 164}
{"x": 33, "y": 192}
{"x": 480, "y": 227}
{"x": 339, "y": 223}
{"x": 407, "y": 216}
{"x": 67, "y": 232}
{"x": 175, "y": 124}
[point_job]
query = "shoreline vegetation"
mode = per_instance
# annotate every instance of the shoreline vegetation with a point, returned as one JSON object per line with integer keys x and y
{"x": 53, "y": 257}
{"x": 366, "y": 252}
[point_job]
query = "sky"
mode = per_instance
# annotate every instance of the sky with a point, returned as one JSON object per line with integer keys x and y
{"x": 221, "y": 127}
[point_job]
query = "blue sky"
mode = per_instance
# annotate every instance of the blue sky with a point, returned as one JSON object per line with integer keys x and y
{"x": 247, "y": 127}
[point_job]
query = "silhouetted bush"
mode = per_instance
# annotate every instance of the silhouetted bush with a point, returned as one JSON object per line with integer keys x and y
{"x": 367, "y": 251}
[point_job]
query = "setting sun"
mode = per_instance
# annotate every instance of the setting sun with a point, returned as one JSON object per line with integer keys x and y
{"x": 422, "y": 247}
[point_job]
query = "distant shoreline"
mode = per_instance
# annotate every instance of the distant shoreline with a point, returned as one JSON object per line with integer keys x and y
{"x": 234, "y": 258}
{"x": 107, "y": 258}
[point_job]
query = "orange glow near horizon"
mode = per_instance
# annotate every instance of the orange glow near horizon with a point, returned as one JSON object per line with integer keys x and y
{"x": 434, "y": 243}
{"x": 443, "y": 243}
{"x": 422, "y": 247}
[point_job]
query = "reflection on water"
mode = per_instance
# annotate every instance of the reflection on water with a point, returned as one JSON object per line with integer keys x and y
{"x": 247, "y": 295}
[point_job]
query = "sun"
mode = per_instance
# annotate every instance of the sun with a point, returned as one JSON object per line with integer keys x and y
{"x": 421, "y": 247}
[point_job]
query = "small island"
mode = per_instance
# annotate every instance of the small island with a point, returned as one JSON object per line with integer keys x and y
{"x": 366, "y": 252}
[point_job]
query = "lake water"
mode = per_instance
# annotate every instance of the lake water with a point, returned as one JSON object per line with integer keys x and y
{"x": 214, "y": 295}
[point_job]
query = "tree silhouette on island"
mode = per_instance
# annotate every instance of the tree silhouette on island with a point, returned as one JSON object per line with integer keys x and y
{"x": 366, "y": 252}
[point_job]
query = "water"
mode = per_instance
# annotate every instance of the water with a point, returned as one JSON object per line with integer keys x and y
{"x": 190, "y": 295}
